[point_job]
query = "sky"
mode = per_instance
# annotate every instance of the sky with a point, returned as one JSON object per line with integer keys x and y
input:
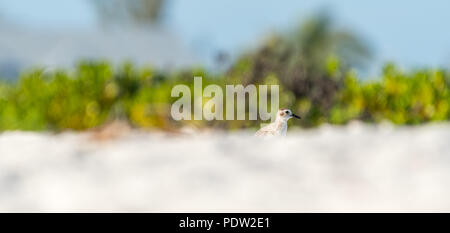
{"x": 412, "y": 33}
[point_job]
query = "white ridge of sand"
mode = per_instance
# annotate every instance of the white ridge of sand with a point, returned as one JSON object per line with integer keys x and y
{"x": 356, "y": 167}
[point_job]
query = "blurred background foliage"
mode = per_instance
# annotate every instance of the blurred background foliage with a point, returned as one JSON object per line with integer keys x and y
{"x": 309, "y": 61}
{"x": 96, "y": 93}
{"x": 314, "y": 64}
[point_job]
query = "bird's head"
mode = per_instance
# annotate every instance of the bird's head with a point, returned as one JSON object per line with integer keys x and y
{"x": 286, "y": 114}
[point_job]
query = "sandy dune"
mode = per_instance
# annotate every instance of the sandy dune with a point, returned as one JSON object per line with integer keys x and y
{"x": 353, "y": 168}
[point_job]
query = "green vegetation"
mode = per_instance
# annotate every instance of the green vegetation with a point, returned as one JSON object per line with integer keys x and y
{"x": 309, "y": 61}
{"x": 95, "y": 93}
{"x": 402, "y": 98}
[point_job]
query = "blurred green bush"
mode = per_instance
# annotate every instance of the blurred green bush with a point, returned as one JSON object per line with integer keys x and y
{"x": 95, "y": 93}
{"x": 310, "y": 61}
{"x": 402, "y": 98}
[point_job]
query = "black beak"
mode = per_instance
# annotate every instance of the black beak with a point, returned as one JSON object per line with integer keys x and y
{"x": 293, "y": 115}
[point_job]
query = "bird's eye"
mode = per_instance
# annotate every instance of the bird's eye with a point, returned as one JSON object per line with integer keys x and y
{"x": 287, "y": 112}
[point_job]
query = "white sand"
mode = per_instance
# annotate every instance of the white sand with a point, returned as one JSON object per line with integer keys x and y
{"x": 352, "y": 168}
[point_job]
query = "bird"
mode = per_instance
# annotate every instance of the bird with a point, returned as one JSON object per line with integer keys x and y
{"x": 279, "y": 126}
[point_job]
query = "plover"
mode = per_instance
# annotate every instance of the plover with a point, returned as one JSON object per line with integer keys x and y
{"x": 279, "y": 126}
